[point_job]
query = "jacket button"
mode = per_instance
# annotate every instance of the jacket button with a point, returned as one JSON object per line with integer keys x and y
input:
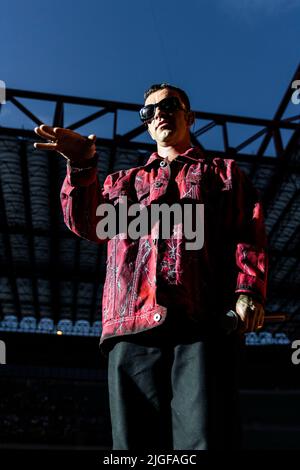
{"x": 163, "y": 164}
{"x": 157, "y": 317}
{"x": 157, "y": 184}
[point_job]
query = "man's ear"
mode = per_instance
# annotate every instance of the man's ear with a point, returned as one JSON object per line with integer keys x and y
{"x": 191, "y": 118}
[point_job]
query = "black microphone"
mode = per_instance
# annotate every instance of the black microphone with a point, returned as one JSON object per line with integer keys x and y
{"x": 231, "y": 320}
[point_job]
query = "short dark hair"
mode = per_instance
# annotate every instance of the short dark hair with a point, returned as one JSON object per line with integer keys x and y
{"x": 162, "y": 86}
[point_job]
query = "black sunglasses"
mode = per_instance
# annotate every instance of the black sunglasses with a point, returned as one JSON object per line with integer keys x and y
{"x": 168, "y": 105}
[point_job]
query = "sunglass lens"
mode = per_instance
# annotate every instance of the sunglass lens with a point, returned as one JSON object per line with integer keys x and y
{"x": 147, "y": 112}
{"x": 168, "y": 105}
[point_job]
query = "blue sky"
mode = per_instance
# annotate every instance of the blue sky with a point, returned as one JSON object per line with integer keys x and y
{"x": 231, "y": 56}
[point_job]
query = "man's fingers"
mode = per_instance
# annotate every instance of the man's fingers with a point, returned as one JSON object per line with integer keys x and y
{"x": 68, "y": 143}
{"x": 61, "y": 131}
{"x": 256, "y": 320}
{"x": 91, "y": 140}
{"x": 246, "y": 313}
{"x": 260, "y": 319}
{"x": 251, "y": 313}
{"x": 49, "y": 130}
{"x": 252, "y": 321}
{"x": 44, "y": 134}
{"x": 42, "y": 146}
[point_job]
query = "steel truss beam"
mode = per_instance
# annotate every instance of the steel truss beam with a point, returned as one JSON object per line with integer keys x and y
{"x": 270, "y": 128}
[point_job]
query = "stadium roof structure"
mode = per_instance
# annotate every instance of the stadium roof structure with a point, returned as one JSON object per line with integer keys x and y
{"x": 49, "y": 273}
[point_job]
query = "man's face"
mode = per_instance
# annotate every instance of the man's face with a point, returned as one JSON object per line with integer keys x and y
{"x": 168, "y": 128}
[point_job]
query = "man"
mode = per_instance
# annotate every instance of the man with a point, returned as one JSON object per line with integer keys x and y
{"x": 172, "y": 367}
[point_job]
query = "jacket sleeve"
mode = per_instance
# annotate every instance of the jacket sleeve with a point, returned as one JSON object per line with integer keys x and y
{"x": 251, "y": 239}
{"x": 81, "y": 195}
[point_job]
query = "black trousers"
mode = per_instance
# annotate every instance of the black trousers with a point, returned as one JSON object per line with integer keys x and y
{"x": 174, "y": 388}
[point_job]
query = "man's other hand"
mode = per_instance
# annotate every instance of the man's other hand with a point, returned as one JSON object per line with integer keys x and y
{"x": 70, "y": 144}
{"x": 250, "y": 312}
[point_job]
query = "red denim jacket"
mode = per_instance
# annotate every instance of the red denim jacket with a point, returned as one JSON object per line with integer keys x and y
{"x": 147, "y": 276}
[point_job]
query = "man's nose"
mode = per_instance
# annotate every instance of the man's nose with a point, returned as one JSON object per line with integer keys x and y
{"x": 158, "y": 112}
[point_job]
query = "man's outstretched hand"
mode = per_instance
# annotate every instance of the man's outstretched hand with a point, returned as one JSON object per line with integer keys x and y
{"x": 70, "y": 144}
{"x": 250, "y": 312}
